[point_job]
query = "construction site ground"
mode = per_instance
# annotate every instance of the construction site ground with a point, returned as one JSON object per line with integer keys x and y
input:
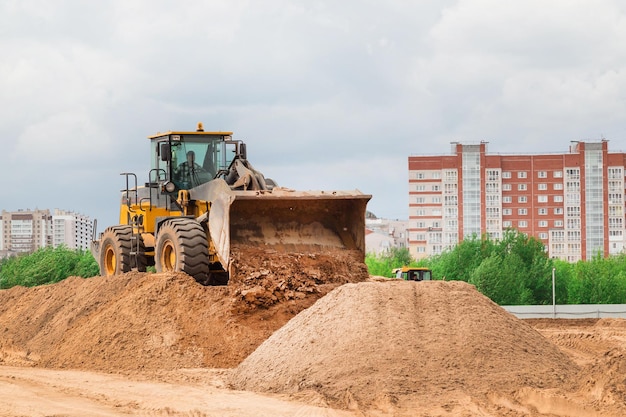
{"x": 321, "y": 342}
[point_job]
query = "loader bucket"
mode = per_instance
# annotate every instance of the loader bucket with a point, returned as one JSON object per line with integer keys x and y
{"x": 286, "y": 221}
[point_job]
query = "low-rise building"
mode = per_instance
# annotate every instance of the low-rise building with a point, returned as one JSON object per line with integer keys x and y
{"x": 382, "y": 234}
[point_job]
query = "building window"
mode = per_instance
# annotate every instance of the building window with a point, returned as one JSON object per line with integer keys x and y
{"x": 492, "y": 187}
{"x": 543, "y": 223}
{"x": 436, "y": 188}
{"x": 573, "y": 211}
{"x": 506, "y": 174}
{"x": 543, "y": 235}
{"x": 573, "y": 186}
{"x": 420, "y": 175}
{"x": 542, "y": 174}
{"x": 542, "y": 198}
{"x": 493, "y": 212}
{"x": 558, "y": 223}
{"x": 522, "y": 224}
{"x": 558, "y": 186}
{"x": 420, "y": 187}
{"x": 506, "y": 187}
{"x": 506, "y": 212}
{"x": 507, "y": 199}
{"x": 451, "y": 175}
{"x": 558, "y": 198}
{"x": 436, "y": 175}
{"x": 557, "y": 174}
{"x": 506, "y": 223}
{"x": 493, "y": 175}
{"x": 521, "y": 174}
{"x": 573, "y": 173}
{"x": 522, "y": 199}
{"x": 615, "y": 173}
{"x": 558, "y": 210}
{"x": 492, "y": 200}
{"x": 542, "y": 187}
{"x": 615, "y": 198}
{"x": 522, "y": 211}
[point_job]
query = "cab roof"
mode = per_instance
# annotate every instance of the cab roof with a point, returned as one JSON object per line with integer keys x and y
{"x": 199, "y": 131}
{"x": 411, "y": 268}
{"x": 171, "y": 132}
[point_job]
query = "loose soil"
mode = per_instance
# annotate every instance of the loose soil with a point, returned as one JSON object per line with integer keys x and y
{"x": 312, "y": 340}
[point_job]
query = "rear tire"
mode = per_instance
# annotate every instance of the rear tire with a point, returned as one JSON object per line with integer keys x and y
{"x": 182, "y": 246}
{"x": 115, "y": 256}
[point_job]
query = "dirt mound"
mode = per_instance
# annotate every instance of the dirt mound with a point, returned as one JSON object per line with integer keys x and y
{"x": 379, "y": 343}
{"x": 264, "y": 277}
{"x": 143, "y": 321}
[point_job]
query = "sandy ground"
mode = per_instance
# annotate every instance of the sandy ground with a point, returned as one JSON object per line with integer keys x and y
{"x": 160, "y": 345}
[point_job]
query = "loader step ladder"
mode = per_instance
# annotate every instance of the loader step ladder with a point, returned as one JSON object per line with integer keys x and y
{"x": 135, "y": 220}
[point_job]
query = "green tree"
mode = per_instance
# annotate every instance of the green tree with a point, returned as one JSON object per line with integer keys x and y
{"x": 383, "y": 264}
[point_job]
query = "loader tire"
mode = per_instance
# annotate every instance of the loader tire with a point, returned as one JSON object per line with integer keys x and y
{"x": 182, "y": 246}
{"x": 115, "y": 251}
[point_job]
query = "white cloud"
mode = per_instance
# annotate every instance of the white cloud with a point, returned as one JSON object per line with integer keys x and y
{"x": 338, "y": 94}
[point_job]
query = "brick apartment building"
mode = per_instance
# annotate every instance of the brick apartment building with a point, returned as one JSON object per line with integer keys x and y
{"x": 573, "y": 202}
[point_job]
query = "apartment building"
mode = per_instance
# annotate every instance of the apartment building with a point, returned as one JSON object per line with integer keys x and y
{"x": 25, "y": 231}
{"x": 71, "y": 229}
{"x": 573, "y": 202}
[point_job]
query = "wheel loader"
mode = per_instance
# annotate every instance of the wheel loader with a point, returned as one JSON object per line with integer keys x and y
{"x": 203, "y": 200}
{"x": 413, "y": 273}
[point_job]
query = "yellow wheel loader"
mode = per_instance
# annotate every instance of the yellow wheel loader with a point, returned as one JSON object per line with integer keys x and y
{"x": 203, "y": 200}
{"x": 413, "y": 273}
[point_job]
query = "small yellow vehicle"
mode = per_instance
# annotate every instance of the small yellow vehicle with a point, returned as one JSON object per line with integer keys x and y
{"x": 413, "y": 273}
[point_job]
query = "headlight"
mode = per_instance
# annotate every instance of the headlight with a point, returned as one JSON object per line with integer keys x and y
{"x": 169, "y": 187}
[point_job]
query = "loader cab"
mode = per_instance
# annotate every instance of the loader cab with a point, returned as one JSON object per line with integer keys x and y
{"x": 413, "y": 273}
{"x": 184, "y": 160}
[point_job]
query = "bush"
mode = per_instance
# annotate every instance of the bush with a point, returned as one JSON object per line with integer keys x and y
{"x": 46, "y": 266}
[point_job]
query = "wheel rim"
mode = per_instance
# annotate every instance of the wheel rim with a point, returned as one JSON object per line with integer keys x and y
{"x": 168, "y": 259}
{"x": 110, "y": 261}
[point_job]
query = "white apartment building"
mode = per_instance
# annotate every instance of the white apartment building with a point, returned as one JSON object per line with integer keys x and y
{"x": 71, "y": 229}
{"x": 25, "y": 231}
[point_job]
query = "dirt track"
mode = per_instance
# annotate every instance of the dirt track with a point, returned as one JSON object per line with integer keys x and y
{"x": 160, "y": 344}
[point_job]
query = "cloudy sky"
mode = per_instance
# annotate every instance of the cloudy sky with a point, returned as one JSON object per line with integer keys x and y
{"x": 327, "y": 95}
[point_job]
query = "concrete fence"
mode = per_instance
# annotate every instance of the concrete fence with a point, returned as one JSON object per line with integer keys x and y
{"x": 569, "y": 311}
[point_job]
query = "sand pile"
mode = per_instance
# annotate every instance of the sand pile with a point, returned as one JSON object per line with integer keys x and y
{"x": 166, "y": 321}
{"x": 137, "y": 321}
{"x": 375, "y": 343}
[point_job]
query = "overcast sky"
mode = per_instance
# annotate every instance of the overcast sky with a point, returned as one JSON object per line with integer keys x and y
{"x": 327, "y": 95}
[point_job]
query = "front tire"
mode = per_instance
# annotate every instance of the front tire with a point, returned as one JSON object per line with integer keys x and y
{"x": 115, "y": 256}
{"x": 182, "y": 246}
